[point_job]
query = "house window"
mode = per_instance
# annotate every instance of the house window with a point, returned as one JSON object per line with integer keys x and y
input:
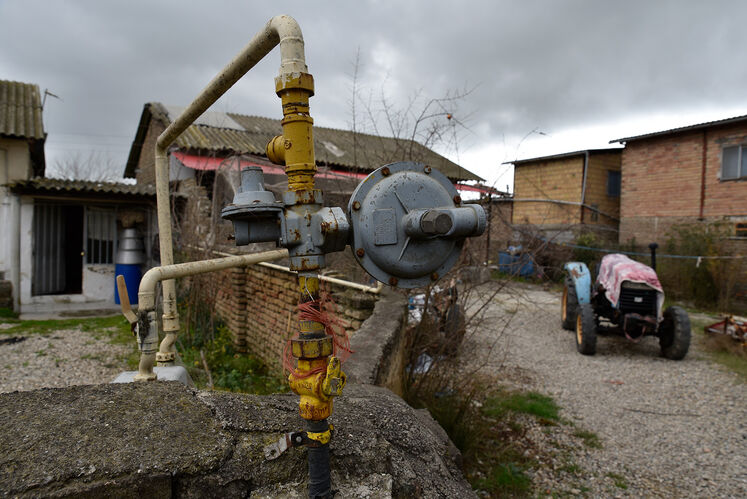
{"x": 733, "y": 162}
{"x": 101, "y": 229}
{"x": 613, "y": 183}
{"x": 740, "y": 230}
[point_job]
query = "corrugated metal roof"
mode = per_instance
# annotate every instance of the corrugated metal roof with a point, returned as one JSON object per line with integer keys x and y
{"x": 76, "y": 187}
{"x": 20, "y": 110}
{"x": 727, "y": 121}
{"x": 520, "y": 162}
{"x": 332, "y": 147}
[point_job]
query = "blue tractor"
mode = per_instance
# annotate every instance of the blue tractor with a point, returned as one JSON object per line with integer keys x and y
{"x": 626, "y": 299}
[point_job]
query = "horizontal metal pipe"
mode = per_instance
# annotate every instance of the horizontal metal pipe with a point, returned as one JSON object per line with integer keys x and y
{"x": 354, "y": 285}
{"x": 348, "y": 284}
{"x": 146, "y": 292}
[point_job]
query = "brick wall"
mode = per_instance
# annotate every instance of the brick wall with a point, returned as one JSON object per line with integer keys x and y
{"x": 558, "y": 179}
{"x": 596, "y": 190}
{"x": 258, "y": 305}
{"x": 662, "y": 182}
{"x": 145, "y": 171}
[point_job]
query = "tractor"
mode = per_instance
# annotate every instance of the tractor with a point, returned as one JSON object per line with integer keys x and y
{"x": 626, "y": 299}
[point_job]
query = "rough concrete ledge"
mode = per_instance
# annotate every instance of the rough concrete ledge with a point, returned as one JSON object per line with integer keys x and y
{"x": 166, "y": 440}
{"x": 379, "y": 344}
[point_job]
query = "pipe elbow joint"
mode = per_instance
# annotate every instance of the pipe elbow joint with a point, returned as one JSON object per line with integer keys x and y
{"x": 276, "y": 150}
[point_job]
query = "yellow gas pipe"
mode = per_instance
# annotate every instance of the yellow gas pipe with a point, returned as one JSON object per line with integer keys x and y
{"x": 313, "y": 348}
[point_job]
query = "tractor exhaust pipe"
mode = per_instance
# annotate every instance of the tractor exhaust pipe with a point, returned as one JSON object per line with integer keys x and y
{"x": 653, "y": 247}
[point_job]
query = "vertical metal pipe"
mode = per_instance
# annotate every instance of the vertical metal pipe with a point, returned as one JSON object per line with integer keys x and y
{"x": 583, "y": 185}
{"x": 653, "y": 247}
{"x": 283, "y": 30}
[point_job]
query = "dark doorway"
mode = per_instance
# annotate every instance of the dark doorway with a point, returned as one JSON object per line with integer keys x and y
{"x": 58, "y": 249}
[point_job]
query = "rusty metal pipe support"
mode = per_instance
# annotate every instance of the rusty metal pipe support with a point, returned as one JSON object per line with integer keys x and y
{"x": 282, "y": 30}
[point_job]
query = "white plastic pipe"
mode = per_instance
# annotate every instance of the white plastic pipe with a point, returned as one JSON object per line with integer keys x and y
{"x": 147, "y": 291}
{"x": 283, "y": 30}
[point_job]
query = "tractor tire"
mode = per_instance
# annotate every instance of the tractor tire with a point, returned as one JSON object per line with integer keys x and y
{"x": 674, "y": 333}
{"x": 586, "y": 330}
{"x": 569, "y": 305}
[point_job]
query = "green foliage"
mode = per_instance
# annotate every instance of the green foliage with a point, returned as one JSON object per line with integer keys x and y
{"x": 457, "y": 417}
{"x": 532, "y": 403}
{"x": 507, "y": 479}
{"x": 231, "y": 370}
{"x": 590, "y": 438}
{"x": 7, "y": 313}
{"x": 720, "y": 348}
{"x": 587, "y": 256}
{"x": 709, "y": 283}
{"x": 619, "y": 480}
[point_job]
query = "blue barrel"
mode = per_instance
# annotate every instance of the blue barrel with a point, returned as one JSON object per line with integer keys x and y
{"x": 129, "y": 258}
{"x": 504, "y": 262}
{"x": 132, "y": 275}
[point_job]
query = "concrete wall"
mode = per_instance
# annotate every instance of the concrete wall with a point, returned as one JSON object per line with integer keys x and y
{"x": 15, "y": 164}
{"x": 662, "y": 182}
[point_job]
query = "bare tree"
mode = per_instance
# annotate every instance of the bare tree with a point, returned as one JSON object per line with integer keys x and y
{"x": 96, "y": 166}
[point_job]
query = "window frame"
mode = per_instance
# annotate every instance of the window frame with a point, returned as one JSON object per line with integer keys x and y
{"x": 100, "y": 251}
{"x": 741, "y": 172}
{"x": 619, "y": 183}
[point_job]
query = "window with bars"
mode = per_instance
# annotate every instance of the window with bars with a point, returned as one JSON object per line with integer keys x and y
{"x": 101, "y": 235}
{"x": 734, "y": 162}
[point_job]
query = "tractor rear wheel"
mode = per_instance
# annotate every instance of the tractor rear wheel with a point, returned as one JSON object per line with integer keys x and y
{"x": 569, "y": 305}
{"x": 586, "y": 330}
{"x": 674, "y": 333}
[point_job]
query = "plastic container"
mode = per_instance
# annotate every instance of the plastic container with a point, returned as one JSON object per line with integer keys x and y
{"x": 130, "y": 256}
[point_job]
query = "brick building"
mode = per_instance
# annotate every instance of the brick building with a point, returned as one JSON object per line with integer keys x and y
{"x": 565, "y": 194}
{"x": 688, "y": 174}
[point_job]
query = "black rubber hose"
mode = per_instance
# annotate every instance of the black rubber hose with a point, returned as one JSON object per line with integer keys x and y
{"x": 320, "y": 486}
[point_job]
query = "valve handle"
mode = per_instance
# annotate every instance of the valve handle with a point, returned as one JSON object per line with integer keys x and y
{"x": 124, "y": 300}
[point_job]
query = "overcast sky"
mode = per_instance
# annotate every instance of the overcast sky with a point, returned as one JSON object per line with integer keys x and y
{"x": 544, "y": 77}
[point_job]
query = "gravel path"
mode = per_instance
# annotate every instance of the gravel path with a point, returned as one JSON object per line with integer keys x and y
{"x": 62, "y": 358}
{"x": 667, "y": 428}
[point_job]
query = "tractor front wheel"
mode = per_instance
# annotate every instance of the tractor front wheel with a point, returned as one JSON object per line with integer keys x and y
{"x": 674, "y": 333}
{"x": 586, "y": 330}
{"x": 569, "y": 305}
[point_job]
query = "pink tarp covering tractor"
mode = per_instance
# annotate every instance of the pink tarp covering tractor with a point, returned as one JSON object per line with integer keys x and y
{"x": 626, "y": 299}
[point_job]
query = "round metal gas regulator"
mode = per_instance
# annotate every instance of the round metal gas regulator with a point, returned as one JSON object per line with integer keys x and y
{"x": 409, "y": 224}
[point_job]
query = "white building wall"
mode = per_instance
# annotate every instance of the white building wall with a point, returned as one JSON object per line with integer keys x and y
{"x": 15, "y": 164}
